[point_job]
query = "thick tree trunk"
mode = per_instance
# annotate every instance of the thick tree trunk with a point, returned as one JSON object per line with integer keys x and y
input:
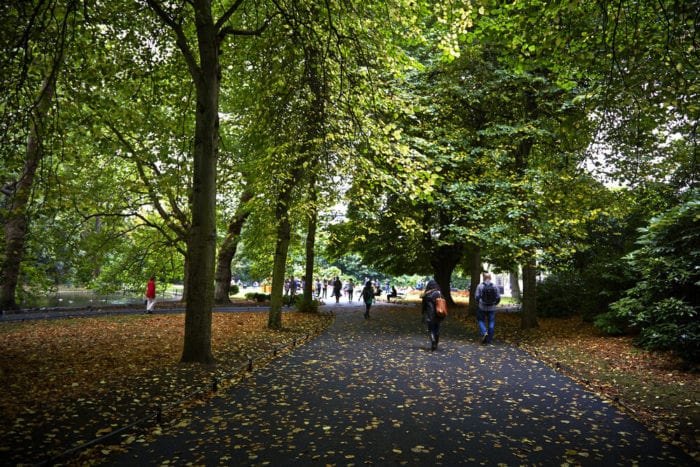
{"x": 16, "y": 220}
{"x": 529, "y": 310}
{"x": 201, "y": 245}
{"x": 444, "y": 261}
{"x": 228, "y": 250}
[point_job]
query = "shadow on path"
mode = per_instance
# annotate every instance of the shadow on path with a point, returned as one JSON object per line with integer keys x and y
{"x": 371, "y": 392}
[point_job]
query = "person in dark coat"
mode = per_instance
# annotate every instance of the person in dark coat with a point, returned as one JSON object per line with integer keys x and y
{"x": 432, "y": 291}
{"x": 337, "y": 289}
{"x": 368, "y": 297}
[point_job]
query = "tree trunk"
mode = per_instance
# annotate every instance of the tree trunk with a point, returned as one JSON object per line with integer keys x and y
{"x": 284, "y": 229}
{"x": 228, "y": 249}
{"x": 515, "y": 285}
{"x": 185, "y": 278}
{"x": 16, "y": 221}
{"x": 529, "y": 310}
{"x": 98, "y": 228}
{"x": 311, "y": 241}
{"x": 201, "y": 245}
{"x": 475, "y": 270}
{"x": 444, "y": 261}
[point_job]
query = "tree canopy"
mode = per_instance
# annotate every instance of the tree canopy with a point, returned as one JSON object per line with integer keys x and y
{"x": 145, "y": 138}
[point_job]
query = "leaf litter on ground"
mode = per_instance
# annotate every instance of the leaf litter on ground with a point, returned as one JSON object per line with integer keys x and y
{"x": 69, "y": 381}
{"x": 656, "y": 388}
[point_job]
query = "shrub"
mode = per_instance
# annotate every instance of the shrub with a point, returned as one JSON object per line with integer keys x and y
{"x": 663, "y": 306}
{"x": 559, "y": 295}
{"x": 306, "y": 306}
{"x": 257, "y": 296}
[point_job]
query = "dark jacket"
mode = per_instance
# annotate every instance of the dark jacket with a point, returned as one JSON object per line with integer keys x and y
{"x": 368, "y": 293}
{"x": 432, "y": 291}
{"x": 337, "y": 287}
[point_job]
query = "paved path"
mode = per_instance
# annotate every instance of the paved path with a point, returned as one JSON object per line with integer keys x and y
{"x": 371, "y": 392}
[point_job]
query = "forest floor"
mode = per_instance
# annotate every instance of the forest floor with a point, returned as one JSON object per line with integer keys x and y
{"x": 67, "y": 382}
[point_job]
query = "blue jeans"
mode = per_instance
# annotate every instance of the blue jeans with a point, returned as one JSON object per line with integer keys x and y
{"x": 484, "y": 317}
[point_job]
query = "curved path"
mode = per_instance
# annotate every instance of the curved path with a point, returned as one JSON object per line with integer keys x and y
{"x": 372, "y": 392}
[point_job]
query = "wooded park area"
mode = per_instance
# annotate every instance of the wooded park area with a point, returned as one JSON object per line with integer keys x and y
{"x": 192, "y": 140}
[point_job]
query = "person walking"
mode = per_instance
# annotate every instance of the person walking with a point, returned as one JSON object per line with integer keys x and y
{"x": 324, "y": 290}
{"x": 351, "y": 287}
{"x": 430, "y": 317}
{"x": 150, "y": 295}
{"x": 368, "y": 297}
{"x": 337, "y": 289}
{"x": 487, "y": 296}
{"x": 292, "y": 290}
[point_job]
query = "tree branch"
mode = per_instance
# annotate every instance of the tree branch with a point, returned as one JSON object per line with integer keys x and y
{"x": 181, "y": 40}
{"x": 179, "y": 229}
{"x": 227, "y": 15}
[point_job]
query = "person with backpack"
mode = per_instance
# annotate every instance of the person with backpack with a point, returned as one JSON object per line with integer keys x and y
{"x": 430, "y": 317}
{"x": 487, "y": 297}
{"x": 368, "y": 297}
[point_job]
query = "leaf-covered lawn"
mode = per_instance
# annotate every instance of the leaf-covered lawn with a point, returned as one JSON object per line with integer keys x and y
{"x": 65, "y": 382}
{"x": 652, "y": 386}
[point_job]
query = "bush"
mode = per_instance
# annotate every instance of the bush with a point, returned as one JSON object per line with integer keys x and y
{"x": 663, "y": 306}
{"x": 604, "y": 283}
{"x": 257, "y": 296}
{"x": 306, "y": 306}
{"x": 559, "y": 295}
{"x": 233, "y": 290}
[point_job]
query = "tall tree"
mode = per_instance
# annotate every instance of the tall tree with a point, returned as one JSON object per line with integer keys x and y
{"x": 327, "y": 52}
{"x": 42, "y": 30}
{"x": 201, "y": 54}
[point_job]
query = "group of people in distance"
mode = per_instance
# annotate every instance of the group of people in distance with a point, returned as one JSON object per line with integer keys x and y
{"x": 487, "y": 297}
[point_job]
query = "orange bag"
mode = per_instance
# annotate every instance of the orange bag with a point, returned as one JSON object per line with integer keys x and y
{"x": 441, "y": 307}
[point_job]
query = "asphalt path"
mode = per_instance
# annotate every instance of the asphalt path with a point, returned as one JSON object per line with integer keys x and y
{"x": 372, "y": 392}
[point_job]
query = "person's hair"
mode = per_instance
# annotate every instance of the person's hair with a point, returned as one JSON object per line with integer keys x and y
{"x": 153, "y": 278}
{"x": 487, "y": 276}
{"x": 432, "y": 284}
